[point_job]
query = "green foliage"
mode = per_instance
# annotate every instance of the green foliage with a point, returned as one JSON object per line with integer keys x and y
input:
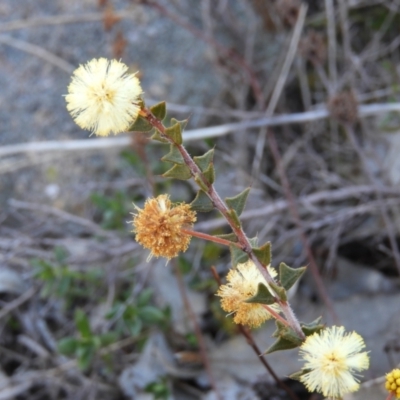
{"x": 289, "y": 276}
{"x": 85, "y": 346}
{"x": 262, "y": 296}
{"x": 205, "y": 160}
{"x": 175, "y": 130}
{"x": 140, "y": 125}
{"x": 61, "y": 281}
{"x": 159, "y": 110}
{"x": 159, "y": 389}
{"x": 209, "y": 174}
{"x": 133, "y": 317}
{"x": 114, "y": 209}
{"x": 178, "y": 172}
{"x": 263, "y": 253}
{"x": 174, "y": 156}
{"x": 201, "y": 202}
{"x": 238, "y": 202}
{"x": 312, "y": 327}
{"x": 238, "y": 256}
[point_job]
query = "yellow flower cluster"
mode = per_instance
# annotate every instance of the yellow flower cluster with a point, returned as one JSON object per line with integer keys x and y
{"x": 242, "y": 285}
{"x": 103, "y": 97}
{"x": 393, "y": 382}
{"x": 159, "y": 225}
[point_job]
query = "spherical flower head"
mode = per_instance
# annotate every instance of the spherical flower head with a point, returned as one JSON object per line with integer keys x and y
{"x": 242, "y": 284}
{"x": 331, "y": 359}
{"x": 158, "y": 226}
{"x": 103, "y": 97}
{"x": 392, "y": 383}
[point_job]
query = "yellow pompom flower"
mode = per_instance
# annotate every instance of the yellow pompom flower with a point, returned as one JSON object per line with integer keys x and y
{"x": 159, "y": 225}
{"x": 242, "y": 284}
{"x": 392, "y": 383}
{"x": 103, "y": 97}
{"x": 331, "y": 360}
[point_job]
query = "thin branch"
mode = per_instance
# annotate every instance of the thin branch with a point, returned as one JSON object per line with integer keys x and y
{"x": 191, "y": 134}
{"x": 294, "y": 42}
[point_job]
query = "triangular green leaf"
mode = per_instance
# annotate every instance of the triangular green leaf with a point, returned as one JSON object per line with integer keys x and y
{"x": 201, "y": 203}
{"x": 253, "y": 241}
{"x": 262, "y": 296}
{"x": 209, "y": 173}
{"x": 281, "y": 344}
{"x": 238, "y": 256}
{"x": 175, "y": 133}
{"x": 263, "y": 253}
{"x": 279, "y": 290}
{"x": 178, "y": 172}
{"x": 173, "y": 156}
{"x": 159, "y": 110}
{"x": 157, "y": 136}
{"x": 238, "y": 202}
{"x": 204, "y": 161}
{"x": 312, "y": 327}
{"x": 140, "y": 125}
{"x": 288, "y": 276}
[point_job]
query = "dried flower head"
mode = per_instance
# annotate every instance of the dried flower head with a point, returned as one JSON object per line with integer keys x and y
{"x": 312, "y": 47}
{"x": 288, "y": 10}
{"x": 331, "y": 359}
{"x": 392, "y": 383}
{"x": 158, "y": 226}
{"x": 242, "y": 285}
{"x": 103, "y": 97}
{"x": 344, "y": 107}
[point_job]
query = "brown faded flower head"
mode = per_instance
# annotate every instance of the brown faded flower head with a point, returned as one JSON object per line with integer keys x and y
{"x": 158, "y": 226}
{"x": 242, "y": 285}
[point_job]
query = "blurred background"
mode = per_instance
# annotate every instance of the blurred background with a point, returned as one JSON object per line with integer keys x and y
{"x": 300, "y": 100}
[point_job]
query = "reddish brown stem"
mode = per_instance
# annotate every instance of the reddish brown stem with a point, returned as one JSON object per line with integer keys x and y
{"x": 237, "y": 229}
{"x": 210, "y": 238}
{"x": 275, "y": 315}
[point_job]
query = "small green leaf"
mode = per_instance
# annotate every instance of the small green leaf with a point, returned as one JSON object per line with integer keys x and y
{"x": 178, "y": 172}
{"x": 280, "y": 344}
{"x": 253, "y": 241}
{"x": 286, "y": 332}
{"x": 159, "y": 110}
{"x": 288, "y": 276}
{"x": 157, "y": 136}
{"x": 235, "y": 219}
{"x": 297, "y": 375}
{"x": 279, "y": 290}
{"x": 175, "y": 130}
{"x": 263, "y": 253}
{"x": 262, "y": 296}
{"x": 238, "y": 256}
{"x": 82, "y": 323}
{"x": 201, "y": 203}
{"x": 140, "y": 125}
{"x": 238, "y": 202}
{"x": 312, "y": 327}
{"x": 173, "y": 156}
{"x": 151, "y": 314}
{"x": 209, "y": 174}
{"x": 204, "y": 161}
{"x": 67, "y": 346}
